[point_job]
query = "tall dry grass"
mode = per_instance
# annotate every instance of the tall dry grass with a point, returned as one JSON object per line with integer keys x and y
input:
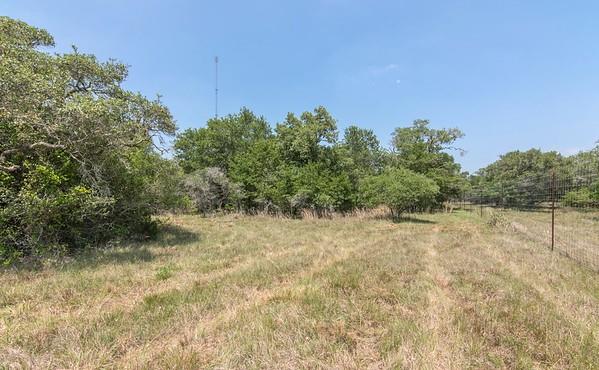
{"x": 361, "y": 291}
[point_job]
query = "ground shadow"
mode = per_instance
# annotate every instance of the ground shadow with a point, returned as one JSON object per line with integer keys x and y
{"x": 122, "y": 252}
{"x": 137, "y": 251}
{"x": 404, "y": 219}
{"x": 170, "y": 235}
{"x": 411, "y": 220}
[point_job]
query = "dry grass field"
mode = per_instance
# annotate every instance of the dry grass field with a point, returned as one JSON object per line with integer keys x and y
{"x": 576, "y": 231}
{"x": 435, "y": 291}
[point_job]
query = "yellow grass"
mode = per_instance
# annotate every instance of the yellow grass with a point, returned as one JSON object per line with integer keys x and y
{"x": 436, "y": 291}
{"x": 576, "y": 232}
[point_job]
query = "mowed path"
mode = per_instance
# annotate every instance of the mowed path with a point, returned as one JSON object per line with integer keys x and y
{"x": 437, "y": 291}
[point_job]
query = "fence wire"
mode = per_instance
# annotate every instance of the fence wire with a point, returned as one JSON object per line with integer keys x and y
{"x": 559, "y": 209}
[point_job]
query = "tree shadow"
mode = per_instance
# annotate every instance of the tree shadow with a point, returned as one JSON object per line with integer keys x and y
{"x": 411, "y": 220}
{"x": 404, "y": 219}
{"x": 115, "y": 253}
{"x": 169, "y": 235}
{"x": 110, "y": 256}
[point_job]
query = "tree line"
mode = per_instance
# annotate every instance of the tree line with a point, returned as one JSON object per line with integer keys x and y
{"x": 81, "y": 157}
{"x": 239, "y": 162}
{"x": 533, "y": 178}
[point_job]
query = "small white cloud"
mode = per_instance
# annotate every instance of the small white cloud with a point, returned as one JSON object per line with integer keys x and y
{"x": 381, "y": 70}
{"x": 398, "y": 81}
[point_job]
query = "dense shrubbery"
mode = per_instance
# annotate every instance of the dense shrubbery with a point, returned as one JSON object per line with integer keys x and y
{"x": 587, "y": 196}
{"x": 399, "y": 189}
{"x": 303, "y": 165}
{"x": 77, "y": 164}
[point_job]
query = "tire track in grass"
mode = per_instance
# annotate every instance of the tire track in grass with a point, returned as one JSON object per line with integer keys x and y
{"x": 203, "y": 331}
{"x": 469, "y": 276}
{"x": 251, "y": 294}
{"x": 127, "y": 302}
{"x": 444, "y": 347}
{"x": 215, "y": 332}
{"x": 71, "y": 331}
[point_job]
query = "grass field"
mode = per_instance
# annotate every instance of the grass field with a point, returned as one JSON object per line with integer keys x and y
{"x": 436, "y": 291}
{"x": 576, "y": 232}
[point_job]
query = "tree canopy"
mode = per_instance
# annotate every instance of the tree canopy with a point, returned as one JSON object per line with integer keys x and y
{"x": 74, "y": 145}
{"x": 400, "y": 189}
{"x": 304, "y": 165}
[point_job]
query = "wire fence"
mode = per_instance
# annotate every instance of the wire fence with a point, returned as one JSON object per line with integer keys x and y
{"x": 559, "y": 208}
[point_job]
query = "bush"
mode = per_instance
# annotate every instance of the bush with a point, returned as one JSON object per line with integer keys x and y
{"x": 77, "y": 159}
{"x": 587, "y": 196}
{"x": 45, "y": 217}
{"x": 580, "y": 198}
{"x": 399, "y": 189}
{"x": 210, "y": 190}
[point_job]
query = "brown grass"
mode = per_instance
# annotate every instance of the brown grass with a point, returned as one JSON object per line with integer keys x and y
{"x": 576, "y": 232}
{"x": 435, "y": 291}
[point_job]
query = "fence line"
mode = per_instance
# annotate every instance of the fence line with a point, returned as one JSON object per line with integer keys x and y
{"x": 559, "y": 209}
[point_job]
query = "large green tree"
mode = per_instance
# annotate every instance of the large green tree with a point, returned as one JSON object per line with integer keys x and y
{"x": 220, "y": 141}
{"x": 363, "y": 151}
{"x": 308, "y": 138}
{"x": 424, "y": 150}
{"x": 259, "y": 171}
{"x": 72, "y": 145}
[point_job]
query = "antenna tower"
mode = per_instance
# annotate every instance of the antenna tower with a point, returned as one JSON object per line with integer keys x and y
{"x": 216, "y": 86}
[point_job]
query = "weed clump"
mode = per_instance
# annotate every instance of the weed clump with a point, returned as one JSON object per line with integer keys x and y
{"x": 500, "y": 221}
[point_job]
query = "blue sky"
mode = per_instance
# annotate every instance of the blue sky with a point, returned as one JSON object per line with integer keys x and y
{"x": 510, "y": 74}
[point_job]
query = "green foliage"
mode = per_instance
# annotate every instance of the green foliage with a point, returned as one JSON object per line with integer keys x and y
{"x": 303, "y": 165}
{"x": 400, "y": 189}
{"x": 314, "y": 187}
{"x": 76, "y": 149}
{"x": 585, "y": 197}
{"x": 308, "y": 138}
{"x": 361, "y": 152}
{"x": 423, "y": 150}
{"x": 220, "y": 141}
{"x": 165, "y": 272}
{"x": 260, "y": 173}
{"x": 519, "y": 179}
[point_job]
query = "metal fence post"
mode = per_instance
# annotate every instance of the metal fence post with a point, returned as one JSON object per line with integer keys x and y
{"x": 552, "y": 210}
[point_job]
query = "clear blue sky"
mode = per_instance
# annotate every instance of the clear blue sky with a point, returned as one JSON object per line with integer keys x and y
{"x": 510, "y": 74}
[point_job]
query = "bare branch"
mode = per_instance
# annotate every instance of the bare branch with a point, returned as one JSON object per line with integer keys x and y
{"x": 9, "y": 169}
{"x": 22, "y": 149}
{"x": 43, "y": 144}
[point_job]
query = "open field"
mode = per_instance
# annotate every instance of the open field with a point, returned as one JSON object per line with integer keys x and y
{"x": 436, "y": 291}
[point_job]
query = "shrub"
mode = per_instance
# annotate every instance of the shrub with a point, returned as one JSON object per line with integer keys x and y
{"x": 76, "y": 148}
{"x": 399, "y": 189}
{"x": 210, "y": 190}
{"x": 587, "y": 196}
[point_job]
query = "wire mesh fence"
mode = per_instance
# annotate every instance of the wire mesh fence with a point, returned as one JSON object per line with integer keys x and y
{"x": 559, "y": 208}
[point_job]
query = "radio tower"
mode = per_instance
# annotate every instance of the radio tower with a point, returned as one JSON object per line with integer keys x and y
{"x": 216, "y": 86}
